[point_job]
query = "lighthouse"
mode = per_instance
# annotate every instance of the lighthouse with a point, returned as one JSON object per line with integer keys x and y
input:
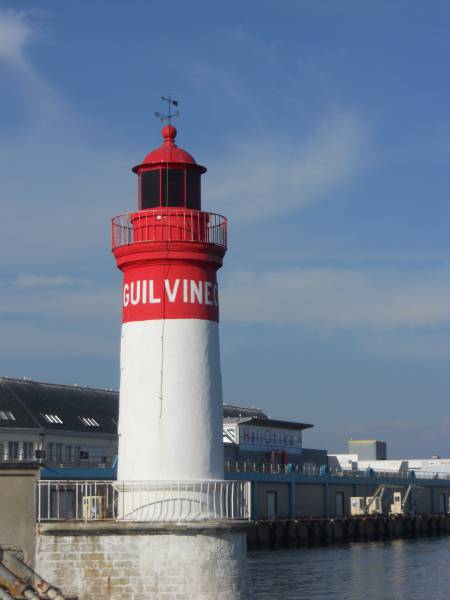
{"x": 169, "y": 250}
{"x": 170, "y": 526}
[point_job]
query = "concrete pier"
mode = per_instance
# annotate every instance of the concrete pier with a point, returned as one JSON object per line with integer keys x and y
{"x": 131, "y": 561}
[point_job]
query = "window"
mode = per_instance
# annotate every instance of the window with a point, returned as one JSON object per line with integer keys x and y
{"x": 2, "y": 452}
{"x": 59, "y": 449}
{"x": 7, "y": 415}
{"x": 68, "y": 454}
{"x": 89, "y": 421}
{"x": 150, "y": 189}
{"x": 28, "y": 448}
{"x": 51, "y": 450}
{"x": 13, "y": 450}
{"x": 193, "y": 188}
{"x": 272, "y": 508}
{"x": 442, "y": 508}
{"x": 54, "y": 419}
{"x": 172, "y": 187}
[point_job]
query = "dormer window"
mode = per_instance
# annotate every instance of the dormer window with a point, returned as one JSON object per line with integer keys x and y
{"x": 53, "y": 419}
{"x": 89, "y": 421}
{"x": 7, "y": 415}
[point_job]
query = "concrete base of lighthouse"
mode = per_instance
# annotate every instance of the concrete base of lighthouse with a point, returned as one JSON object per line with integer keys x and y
{"x": 158, "y": 561}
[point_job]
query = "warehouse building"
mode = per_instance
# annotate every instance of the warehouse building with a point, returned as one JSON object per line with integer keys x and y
{"x": 70, "y": 426}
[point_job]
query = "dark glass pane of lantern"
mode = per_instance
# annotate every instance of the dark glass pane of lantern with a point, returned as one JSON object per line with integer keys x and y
{"x": 150, "y": 189}
{"x": 173, "y": 187}
{"x": 193, "y": 190}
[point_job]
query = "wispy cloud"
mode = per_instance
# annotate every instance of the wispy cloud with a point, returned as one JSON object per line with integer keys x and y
{"x": 15, "y": 34}
{"x": 44, "y": 105}
{"x": 430, "y": 437}
{"x": 31, "y": 340}
{"x": 51, "y": 317}
{"x": 268, "y": 51}
{"x": 61, "y": 206}
{"x": 273, "y": 175}
{"x": 49, "y": 302}
{"x": 30, "y": 281}
{"x": 337, "y": 298}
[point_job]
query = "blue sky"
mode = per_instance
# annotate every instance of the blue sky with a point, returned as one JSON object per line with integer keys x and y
{"x": 325, "y": 130}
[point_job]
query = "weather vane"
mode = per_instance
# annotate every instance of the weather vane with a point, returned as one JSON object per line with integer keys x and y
{"x": 170, "y": 114}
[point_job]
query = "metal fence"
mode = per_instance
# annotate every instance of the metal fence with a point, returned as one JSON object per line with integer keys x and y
{"x": 168, "y": 224}
{"x": 310, "y": 469}
{"x": 143, "y": 501}
{"x": 99, "y": 463}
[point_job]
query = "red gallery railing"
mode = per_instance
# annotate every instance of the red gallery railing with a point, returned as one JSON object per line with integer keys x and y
{"x": 169, "y": 224}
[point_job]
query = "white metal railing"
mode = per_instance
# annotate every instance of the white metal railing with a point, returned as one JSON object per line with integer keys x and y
{"x": 143, "y": 500}
{"x": 169, "y": 224}
{"x": 310, "y": 469}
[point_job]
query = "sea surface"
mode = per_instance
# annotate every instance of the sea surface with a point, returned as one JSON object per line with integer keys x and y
{"x": 395, "y": 570}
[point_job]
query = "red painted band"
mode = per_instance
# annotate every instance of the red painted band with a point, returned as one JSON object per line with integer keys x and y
{"x": 170, "y": 291}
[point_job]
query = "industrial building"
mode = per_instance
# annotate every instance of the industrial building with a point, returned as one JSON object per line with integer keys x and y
{"x": 57, "y": 424}
{"x": 67, "y": 428}
{"x": 372, "y": 455}
{"x": 368, "y": 449}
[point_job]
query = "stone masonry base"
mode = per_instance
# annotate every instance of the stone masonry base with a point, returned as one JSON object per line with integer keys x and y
{"x": 118, "y": 561}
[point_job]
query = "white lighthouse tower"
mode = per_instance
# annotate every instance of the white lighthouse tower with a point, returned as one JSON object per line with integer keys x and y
{"x": 170, "y": 419}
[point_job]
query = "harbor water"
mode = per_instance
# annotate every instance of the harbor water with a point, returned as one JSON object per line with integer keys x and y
{"x": 395, "y": 570}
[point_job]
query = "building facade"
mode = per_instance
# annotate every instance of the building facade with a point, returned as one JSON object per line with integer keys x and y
{"x": 73, "y": 427}
{"x": 57, "y": 424}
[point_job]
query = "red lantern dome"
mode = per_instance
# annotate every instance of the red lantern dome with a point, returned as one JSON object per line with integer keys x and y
{"x": 169, "y": 176}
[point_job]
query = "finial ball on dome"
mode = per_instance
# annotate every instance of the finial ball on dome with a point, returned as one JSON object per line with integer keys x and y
{"x": 169, "y": 132}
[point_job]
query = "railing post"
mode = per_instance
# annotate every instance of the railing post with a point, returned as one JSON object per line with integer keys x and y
{"x": 253, "y": 507}
{"x": 39, "y": 501}
{"x": 292, "y": 499}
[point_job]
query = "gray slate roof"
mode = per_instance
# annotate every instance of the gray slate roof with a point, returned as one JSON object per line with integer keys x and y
{"x": 30, "y": 400}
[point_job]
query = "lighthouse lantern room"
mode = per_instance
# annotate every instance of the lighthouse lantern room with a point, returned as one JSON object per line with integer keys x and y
{"x": 169, "y": 176}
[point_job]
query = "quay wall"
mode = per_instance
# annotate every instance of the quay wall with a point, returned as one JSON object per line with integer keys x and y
{"x": 289, "y": 533}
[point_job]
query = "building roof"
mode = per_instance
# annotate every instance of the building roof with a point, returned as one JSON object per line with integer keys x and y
{"x": 169, "y": 153}
{"x": 266, "y": 422}
{"x": 230, "y": 410}
{"x": 36, "y": 405}
{"x": 27, "y": 404}
{"x": 351, "y": 441}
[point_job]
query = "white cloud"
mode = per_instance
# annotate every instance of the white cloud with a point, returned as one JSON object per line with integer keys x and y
{"x": 26, "y": 340}
{"x": 344, "y": 298}
{"x": 54, "y": 320}
{"x": 43, "y": 104}
{"x": 80, "y": 305}
{"x": 273, "y": 175}
{"x": 60, "y": 203}
{"x": 29, "y": 281}
{"x": 15, "y": 34}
